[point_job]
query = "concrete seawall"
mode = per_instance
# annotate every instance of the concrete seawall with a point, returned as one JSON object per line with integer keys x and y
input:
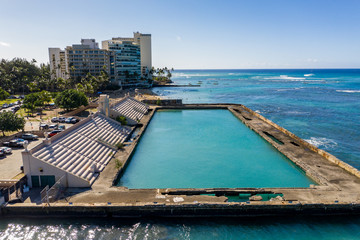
{"x": 337, "y": 191}
{"x": 182, "y": 210}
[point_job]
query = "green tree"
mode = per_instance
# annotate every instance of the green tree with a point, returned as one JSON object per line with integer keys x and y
{"x": 44, "y": 97}
{"x": 10, "y": 122}
{"x": 70, "y": 99}
{"x": 15, "y": 74}
{"x": 31, "y": 101}
{"x": 3, "y": 94}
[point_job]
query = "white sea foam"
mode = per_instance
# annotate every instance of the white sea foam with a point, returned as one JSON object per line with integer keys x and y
{"x": 287, "y": 89}
{"x": 236, "y": 74}
{"x": 349, "y": 91}
{"x": 286, "y": 77}
{"x": 309, "y": 75}
{"x": 322, "y": 142}
{"x": 191, "y": 75}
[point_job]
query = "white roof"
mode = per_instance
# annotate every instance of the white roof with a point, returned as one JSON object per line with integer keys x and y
{"x": 91, "y": 144}
{"x": 131, "y": 108}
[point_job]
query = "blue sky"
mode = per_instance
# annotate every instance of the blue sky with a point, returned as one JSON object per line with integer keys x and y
{"x": 194, "y": 34}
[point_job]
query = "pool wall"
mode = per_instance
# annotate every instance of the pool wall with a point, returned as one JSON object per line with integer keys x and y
{"x": 337, "y": 192}
{"x": 221, "y": 151}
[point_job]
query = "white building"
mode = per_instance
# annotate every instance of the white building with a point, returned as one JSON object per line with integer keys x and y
{"x": 127, "y": 61}
{"x": 57, "y": 63}
{"x": 144, "y": 43}
{"x": 76, "y": 155}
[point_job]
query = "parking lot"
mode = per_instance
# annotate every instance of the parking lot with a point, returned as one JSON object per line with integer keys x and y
{"x": 10, "y": 165}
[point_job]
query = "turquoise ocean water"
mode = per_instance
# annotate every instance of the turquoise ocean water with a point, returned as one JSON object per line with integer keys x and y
{"x": 321, "y": 106}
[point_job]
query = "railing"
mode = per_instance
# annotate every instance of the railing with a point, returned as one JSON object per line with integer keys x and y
{"x": 54, "y": 193}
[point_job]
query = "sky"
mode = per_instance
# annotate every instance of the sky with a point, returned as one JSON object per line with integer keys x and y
{"x": 193, "y": 34}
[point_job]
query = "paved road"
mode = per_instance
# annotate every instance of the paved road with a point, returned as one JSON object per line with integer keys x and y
{"x": 10, "y": 165}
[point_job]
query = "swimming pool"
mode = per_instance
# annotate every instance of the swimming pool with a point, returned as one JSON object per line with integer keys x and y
{"x": 207, "y": 149}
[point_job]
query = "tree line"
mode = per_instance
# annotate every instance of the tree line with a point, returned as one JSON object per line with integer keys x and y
{"x": 22, "y": 76}
{"x": 161, "y": 75}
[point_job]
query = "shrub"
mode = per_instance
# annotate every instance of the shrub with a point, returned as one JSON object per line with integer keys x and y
{"x": 158, "y": 102}
{"x": 121, "y": 119}
{"x": 118, "y": 164}
{"x": 120, "y": 145}
{"x": 3, "y": 94}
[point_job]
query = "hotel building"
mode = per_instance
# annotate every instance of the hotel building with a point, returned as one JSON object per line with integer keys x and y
{"x": 127, "y": 61}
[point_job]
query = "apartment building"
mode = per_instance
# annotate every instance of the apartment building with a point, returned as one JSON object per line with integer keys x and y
{"x": 127, "y": 61}
{"x": 86, "y": 58}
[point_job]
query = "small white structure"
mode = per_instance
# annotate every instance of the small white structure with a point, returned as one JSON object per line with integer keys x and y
{"x": 79, "y": 153}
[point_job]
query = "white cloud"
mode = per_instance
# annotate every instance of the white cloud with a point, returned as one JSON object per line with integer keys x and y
{"x": 4, "y": 44}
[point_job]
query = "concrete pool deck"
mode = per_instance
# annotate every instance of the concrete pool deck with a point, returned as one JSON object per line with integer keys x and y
{"x": 337, "y": 191}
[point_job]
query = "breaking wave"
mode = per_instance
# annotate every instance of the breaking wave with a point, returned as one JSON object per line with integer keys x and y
{"x": 187, "y": 75}
{"x": 287, "y": 89}
{"x": 286, "y": 77}
{"x": 309, "y": 75}
{"x": 322, "y": 142}
{"x": 349, "y": 91}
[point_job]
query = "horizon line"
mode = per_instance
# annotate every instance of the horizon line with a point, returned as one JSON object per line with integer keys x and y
{"x": 175, "y": 69}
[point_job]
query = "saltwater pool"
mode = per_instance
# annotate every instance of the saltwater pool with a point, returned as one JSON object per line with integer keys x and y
{"x": 206, "y": 149}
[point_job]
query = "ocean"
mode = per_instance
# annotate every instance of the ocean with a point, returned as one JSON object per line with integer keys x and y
{"x": 320, "y": 106}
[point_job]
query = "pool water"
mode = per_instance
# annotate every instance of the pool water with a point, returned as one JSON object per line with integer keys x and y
{"x": 206, "y": 149}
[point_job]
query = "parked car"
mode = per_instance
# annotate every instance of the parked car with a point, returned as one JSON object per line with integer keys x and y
{"x": 53, "y": 126}
{"x": 2, "y": 153}
{"x": 5, "y": 105}
{"x": 29, "y": 136}
{"x": 61, "y": 127}
{"x": 55, "y": 119}
{"x": 44, "y": 126}
{"x": 74, "y": 120}
{"x": 68, "y": 120}
{"x": 62, "y": 119}
{"x": 6, "y": 150}
{"x": 53, "y": 133}
{"x": 18, "y": 142}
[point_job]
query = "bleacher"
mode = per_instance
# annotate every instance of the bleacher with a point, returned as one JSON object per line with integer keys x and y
{"x": 86, "y": 148}
{"x": 131, "y": 108}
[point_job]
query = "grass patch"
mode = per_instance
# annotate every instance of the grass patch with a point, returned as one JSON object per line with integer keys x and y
{"x": 8, "y": 101}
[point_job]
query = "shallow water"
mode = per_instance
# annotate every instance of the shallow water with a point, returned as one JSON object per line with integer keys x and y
{"x": 205, "y": 149}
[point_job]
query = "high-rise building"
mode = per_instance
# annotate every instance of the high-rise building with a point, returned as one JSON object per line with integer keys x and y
{"x": 132, "y": 59}
{"x": 86, "y": 58}
{"x": 127, "y": 61}
{"x": 57, "y": 63}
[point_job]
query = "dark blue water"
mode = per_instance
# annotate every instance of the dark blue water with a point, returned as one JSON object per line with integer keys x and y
{"x": 322, "y": 108}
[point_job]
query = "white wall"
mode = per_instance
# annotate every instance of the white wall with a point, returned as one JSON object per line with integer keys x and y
{"x": 32, "y": 166}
